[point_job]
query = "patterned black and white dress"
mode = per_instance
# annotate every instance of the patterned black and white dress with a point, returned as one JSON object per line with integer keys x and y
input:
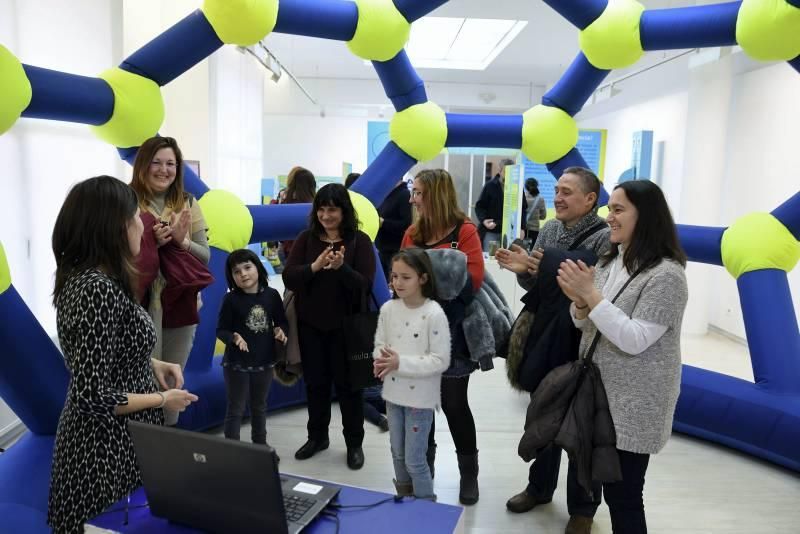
{"x": 106, "y": 339}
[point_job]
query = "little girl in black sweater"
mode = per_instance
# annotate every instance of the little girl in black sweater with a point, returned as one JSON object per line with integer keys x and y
{"x": 251, "y": 319}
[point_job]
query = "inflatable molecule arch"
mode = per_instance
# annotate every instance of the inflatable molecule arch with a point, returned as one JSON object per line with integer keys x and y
{"x": 124, "y": 106}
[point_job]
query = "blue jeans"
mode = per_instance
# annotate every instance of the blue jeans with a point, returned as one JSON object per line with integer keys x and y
{"x": 408, "y": 434}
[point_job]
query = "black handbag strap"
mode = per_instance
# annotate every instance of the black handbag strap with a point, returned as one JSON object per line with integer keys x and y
{"x": 588, "y": 233}
{"x": 587, "y": 359}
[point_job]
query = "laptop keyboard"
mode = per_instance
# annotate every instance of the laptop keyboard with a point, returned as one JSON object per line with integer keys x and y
{"x": 296, "y": 506}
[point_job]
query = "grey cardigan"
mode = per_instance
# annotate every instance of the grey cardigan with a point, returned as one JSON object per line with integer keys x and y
{"x": 643, "y": 389}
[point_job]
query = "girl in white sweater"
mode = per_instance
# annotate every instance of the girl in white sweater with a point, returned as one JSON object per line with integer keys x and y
{"x": 412, "y": 349}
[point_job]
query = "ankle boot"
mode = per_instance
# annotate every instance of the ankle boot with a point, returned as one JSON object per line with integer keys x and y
{"x": 468, "y": 488}
{"x": 430, "y": 455}
{"x": 406, "y": 489}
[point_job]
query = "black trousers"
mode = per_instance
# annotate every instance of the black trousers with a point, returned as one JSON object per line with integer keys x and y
{"x": 324, "y": 365}
{"x": 625, "y": 499}
{"x": 543, "y": 479}
{"x": 239, "y": 386}
{"x": 455, "y": 406}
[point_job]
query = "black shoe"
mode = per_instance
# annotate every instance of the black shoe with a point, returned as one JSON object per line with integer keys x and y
{"x": 355, "y": 458}
{"x": 310, "y": 448}
{"x": 383, "y": 424}
{"x": 522, "y": 502}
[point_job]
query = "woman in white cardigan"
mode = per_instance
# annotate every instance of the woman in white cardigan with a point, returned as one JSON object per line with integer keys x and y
{"x": 638, "y": 352}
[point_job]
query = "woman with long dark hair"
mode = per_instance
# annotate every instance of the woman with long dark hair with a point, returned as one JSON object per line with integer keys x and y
{"x": 638, "y": 352}
{"x": 440, "y": 223}
{"x": 106, "y": 338}
{"x": 330, "y": 269}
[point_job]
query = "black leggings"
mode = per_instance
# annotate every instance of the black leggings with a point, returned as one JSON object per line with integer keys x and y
{"x": 459, "y": 417}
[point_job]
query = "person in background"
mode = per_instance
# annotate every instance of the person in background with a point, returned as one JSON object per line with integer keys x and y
{"x": 537, "y": 210}
{"x": 301, "y": 186}
{"x": 639, "y": 352}
{"x": 106, "y": 338}
{"x": 351, "y": 179}
{"x": 412, "y": 348}
{"x": 395, "y": 217}
{"x": 158, "y": 181}
{"x": 489, "y": 207}
{"x": 251, "y": 320}
{"x": 330, "y": 269}
{"x": 440, "y": 223}
{"x": 576, "y": 225}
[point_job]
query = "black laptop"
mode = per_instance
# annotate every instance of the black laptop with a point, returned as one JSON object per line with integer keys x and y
{"x": 221, "y": 485}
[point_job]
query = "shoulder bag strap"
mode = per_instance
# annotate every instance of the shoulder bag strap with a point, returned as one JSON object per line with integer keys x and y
{"x": 584, "y": 236}
{"x": 590, "y": 353}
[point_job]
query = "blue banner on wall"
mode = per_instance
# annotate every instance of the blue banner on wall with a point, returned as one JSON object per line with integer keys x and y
{"x": 592, "y": 145}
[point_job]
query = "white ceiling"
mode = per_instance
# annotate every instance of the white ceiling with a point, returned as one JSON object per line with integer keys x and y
{"x": 538, "y": 56}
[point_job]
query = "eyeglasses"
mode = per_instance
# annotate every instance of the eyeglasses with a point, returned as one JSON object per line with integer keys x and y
{"x": 416, "y": 194}
{"x": 159, "y": 164}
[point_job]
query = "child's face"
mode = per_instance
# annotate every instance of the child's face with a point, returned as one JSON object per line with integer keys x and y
{"x": 246, "y": 276}
{"x": 405, "y": 280}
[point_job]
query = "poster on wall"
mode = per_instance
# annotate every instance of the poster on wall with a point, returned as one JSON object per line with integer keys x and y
{"x": 512, "y": 204}
{"x": 641, "y": 158}
{"x": 347, "y": 168}
{"x": 592, "y": 145}
{"x": 377, "y": 139}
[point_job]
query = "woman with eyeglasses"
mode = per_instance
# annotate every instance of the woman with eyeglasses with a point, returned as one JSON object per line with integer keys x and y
{"x": 178, "y": 221}
{"x": 440, "y": 223}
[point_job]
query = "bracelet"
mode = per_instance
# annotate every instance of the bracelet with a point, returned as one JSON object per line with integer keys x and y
{"x": 581, "y": 307}
{"x": 163, "y": 399}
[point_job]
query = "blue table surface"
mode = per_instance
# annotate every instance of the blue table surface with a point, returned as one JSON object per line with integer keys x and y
{"x": 409, "y": 515}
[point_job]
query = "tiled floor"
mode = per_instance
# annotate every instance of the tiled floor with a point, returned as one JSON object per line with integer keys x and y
{"x": 693, "y": 487}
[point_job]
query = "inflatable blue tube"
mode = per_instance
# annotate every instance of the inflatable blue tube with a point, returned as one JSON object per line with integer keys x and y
{"x": 497, "y": 131}
{"x": 332, "y": 19}
{"x": 416, "y": 9}
{"x": 383, "y": 174}
{"x": 33, "y": 377}
{"x": 380, "y": 287}
{"x": 278, "y": 222}
{"x": 401, "y": 82}
{"x": 795, "y": 64}
{"x": 25, "y": 478}
{"x": 206, "y": 335}
{"x": 739, "y": 414}
{"x": 66, "y": 97}
{"x": 701, "y": 243}
{"x": 579, "y": 13}
{"x": 772, "y": 333}
{"x": 573, "y": 158}
{"x": 174, "y": 51}
{"x": 576, "y": 85}
{"x": 689, "y": 27}
{"x": 789, "y": 214}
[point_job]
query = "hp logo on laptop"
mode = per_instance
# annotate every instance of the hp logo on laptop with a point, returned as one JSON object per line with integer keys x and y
{"x": 199, "y": 458}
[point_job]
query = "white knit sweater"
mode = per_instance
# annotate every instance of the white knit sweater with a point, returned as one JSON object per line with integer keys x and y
{"x": 422, "y": 339}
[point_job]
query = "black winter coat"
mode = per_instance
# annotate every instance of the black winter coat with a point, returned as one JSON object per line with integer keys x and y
{"x": 553, "y": 339}
{"x": 570, "y": 409}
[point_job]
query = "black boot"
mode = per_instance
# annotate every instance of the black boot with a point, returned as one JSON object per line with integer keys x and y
{"x": 468, "y": 467}
{"x": 430, "y": 455}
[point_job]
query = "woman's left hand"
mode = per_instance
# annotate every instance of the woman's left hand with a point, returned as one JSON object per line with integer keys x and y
{"x": 388, "y": 362}
{"x": 337, "y": 259}
{"x": 168, "y": 375}
{"x": 576, "y": 280}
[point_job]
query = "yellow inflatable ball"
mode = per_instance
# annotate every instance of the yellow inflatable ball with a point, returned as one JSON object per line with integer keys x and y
{"x": 367, "y": 214}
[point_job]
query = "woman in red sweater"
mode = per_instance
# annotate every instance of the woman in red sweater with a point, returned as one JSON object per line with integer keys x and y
{"x": 440, "y": 223}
